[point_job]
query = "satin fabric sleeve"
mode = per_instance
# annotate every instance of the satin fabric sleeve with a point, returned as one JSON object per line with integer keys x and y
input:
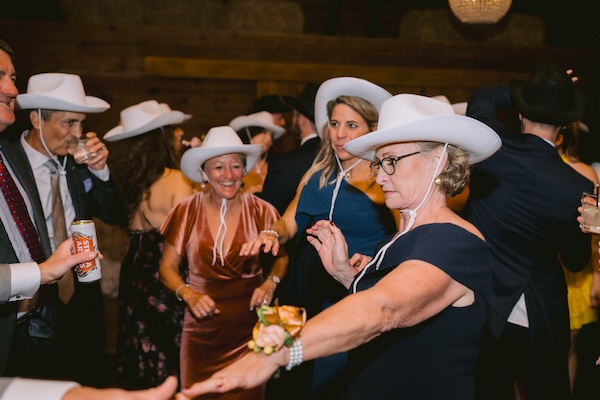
{"x": 179, "y": 223}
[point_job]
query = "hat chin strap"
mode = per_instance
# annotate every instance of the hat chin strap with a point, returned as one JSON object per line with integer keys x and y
{"x": 221, "y": 233}
{"x": 412, "y": 216}
{"x": 338, "y": 183}
{"x": 62, "y": 167}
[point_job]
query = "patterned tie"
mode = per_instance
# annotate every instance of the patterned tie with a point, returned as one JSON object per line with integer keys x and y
{"x": 66, "y": 285}
{"x": 19, "y": 212}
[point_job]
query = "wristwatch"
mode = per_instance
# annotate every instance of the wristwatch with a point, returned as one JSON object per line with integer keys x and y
{"x": 274, "y": 278}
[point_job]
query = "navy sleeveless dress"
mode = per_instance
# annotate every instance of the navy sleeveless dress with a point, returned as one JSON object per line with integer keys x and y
{"x": 435, "y": 359}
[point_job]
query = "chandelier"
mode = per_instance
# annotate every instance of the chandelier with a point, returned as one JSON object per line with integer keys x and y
{"x": 479, "y": 11}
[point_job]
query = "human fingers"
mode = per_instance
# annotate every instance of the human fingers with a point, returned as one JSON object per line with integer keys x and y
{"x": 163, "y": 392}
{"x": 258, "y": 298}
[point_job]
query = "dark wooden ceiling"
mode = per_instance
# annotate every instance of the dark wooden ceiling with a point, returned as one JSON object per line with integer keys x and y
{"x": 569, "y": 23}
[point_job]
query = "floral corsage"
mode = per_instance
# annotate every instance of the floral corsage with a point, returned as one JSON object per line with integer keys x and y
{"x": 277, "y": 326}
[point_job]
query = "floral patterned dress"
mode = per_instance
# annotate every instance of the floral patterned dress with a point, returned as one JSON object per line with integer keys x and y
{"x": 150, "y": 317}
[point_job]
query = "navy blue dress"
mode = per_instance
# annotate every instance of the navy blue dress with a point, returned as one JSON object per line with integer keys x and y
{"x": 435, "y": 359}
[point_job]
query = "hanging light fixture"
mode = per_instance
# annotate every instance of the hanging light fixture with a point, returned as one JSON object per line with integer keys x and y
{"x": 479, "y": 11}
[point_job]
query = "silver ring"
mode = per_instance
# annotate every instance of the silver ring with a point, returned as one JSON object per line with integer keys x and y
{"x": 265, "y": 301}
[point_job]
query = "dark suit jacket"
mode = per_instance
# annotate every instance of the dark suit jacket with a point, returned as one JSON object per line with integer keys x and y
{"x": 285, "y": 173}
{"x": 24, "y": 174}
{"x": 82, "y": 318}
{"x": 524, "y": 200}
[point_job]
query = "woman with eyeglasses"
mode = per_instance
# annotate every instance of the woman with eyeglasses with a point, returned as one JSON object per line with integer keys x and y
{"x": 417, "y": 311}
{"x": 339, "y": 187}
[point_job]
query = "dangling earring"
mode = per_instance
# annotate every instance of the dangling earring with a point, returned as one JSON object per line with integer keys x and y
{"x": 203, "y": 186}
{"x": 438, "y": 181}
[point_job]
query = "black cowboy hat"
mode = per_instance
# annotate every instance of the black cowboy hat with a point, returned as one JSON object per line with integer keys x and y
{"x": 272, "y": 103}
{"x": 549, "y": 96}
{"x": 305, "y": 103}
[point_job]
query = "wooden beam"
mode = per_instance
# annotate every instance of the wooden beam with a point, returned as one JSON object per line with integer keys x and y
{"x": 298, "y": 72}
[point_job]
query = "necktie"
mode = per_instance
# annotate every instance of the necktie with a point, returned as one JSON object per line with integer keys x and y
{"x": 19, "y": 212}
{"x": 66, "y": 284}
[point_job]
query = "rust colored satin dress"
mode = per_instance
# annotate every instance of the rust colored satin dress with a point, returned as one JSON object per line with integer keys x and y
{"x": 210, "y": 345}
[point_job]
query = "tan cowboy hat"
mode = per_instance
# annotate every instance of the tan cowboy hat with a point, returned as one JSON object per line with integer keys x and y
{"x": 144, "y": 117}
{"x": 62, "y": 92}
{"x": 346, "y": 86}
{"x": 218, "y": 141}
{"x": 264, "y": 119}
{"x": 411, "y": 117}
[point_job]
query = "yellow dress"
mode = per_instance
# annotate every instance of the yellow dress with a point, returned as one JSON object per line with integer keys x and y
{"x": 579, "y": 285}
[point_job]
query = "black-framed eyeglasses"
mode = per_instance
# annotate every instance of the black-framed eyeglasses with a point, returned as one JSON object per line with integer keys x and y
{"x": 388, "y": 164}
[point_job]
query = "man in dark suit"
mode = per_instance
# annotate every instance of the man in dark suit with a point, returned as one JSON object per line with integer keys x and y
{"x": 524, "y": 200}
{"x": 58, "y": 107}
{"x": 287, "y": 169}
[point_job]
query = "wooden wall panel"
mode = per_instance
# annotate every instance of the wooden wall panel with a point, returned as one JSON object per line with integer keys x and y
{"x": 215, "y": 75}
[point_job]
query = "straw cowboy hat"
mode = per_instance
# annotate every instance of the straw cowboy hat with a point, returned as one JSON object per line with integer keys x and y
{"x": 218, "y": 141}
{"x": 144, "y": 117}
{"x": 346, "y": 86}
{"x": 264, "y": 119}
{"x": 549, "y": 96}
{"x": 411, "y": 117}
{"x": 62, "y": 92}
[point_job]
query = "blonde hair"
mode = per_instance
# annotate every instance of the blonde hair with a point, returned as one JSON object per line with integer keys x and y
{"x": 325, "y": 160}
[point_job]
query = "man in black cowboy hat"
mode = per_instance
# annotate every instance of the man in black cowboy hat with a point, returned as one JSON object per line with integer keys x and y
{"x": 524, "y": 199}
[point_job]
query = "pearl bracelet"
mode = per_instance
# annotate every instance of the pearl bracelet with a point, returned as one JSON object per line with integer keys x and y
{"x": 271, "y": 231}
{"x": 295, "y": 355}
{"x": 177, "y": 290}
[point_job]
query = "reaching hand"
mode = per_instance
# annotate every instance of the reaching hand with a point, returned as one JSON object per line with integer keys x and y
{"x": 268, "y": 240}
{"x": 162, "y": 392}
{"x": 250, "y": 371}
{"x": 333, "y": 250}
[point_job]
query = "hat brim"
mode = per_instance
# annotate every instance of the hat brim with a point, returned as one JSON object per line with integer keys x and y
{"x": 346, "y": 86}
{"x": 27, "y": 101}
{"x": 553, "y": 117}
{"x": 467, "y": 133}
{"x": 244, "y": 121}
{"x": 170, "y": 118}
{"x": 298, "y": 106}
{"x": 193, "y": 158}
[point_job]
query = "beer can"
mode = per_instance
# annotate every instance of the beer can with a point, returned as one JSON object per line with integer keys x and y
{"x": 85, "y": 240}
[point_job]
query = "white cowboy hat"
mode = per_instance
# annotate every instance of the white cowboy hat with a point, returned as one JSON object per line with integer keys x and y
{"x": 218, "y": 141}
{"x": 165, "y": 107}
{"x": 264, "y": 119}
{"x": 346, "y": 86}
{"x": 411, "y": 117}
{"x": 144, "y": 117}
{"x": 62, "y": 92}
{"x": 459, "y": 108}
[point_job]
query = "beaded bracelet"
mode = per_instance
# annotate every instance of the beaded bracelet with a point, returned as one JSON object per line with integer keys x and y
{"x": 177, "y": 290}
{"x": 270, "y": 231}
{"x": 295, "y": 355}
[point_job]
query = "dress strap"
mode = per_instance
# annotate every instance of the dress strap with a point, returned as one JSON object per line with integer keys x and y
{"x": 146, "y": 219}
